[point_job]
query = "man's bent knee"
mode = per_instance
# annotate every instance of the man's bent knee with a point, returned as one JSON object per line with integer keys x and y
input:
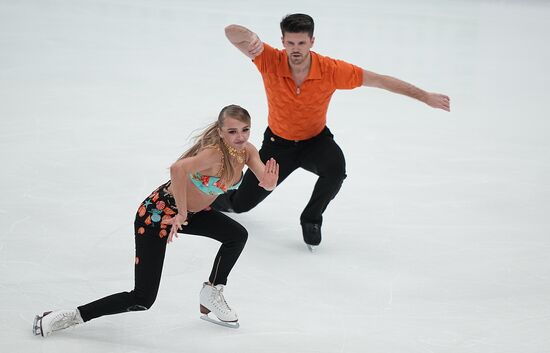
{"x": 241, "y": 208}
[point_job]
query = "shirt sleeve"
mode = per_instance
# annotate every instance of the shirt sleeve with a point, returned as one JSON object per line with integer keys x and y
{"x": 346, "y": 75}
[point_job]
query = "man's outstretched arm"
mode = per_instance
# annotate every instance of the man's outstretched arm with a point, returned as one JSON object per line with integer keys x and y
{"x": 245, "y": 40}
{"x": 392, "y": 84}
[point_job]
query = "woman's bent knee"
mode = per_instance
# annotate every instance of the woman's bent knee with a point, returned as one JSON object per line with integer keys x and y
{"x": 142, "y": 302}
{"x": 241, "y": 236}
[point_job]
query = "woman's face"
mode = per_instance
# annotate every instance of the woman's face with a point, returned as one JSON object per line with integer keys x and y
{"x": 235, "y": 133}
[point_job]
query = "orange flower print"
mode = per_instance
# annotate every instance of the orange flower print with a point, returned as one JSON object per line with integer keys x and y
{"x": 163, "y": 233}
{"x": 141, "y": 211}
{"x": 169, "y": 211}
{"x": 148, "y": 220}
{"x": 141, "y": 230}
{"x": 220, "y": 185}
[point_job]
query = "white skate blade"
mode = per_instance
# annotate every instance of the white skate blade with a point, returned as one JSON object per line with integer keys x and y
{"x": 311, "y": 248}
{"x": 37, "y": 324}
{"x": 36, "y": 329}
{"x": 221, "y": 323}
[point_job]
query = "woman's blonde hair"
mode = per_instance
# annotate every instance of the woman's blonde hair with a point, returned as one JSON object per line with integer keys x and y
{"x": 210, "y": 138}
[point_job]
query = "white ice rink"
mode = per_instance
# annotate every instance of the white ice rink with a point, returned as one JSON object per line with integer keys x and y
{"x": 439, "y": 240}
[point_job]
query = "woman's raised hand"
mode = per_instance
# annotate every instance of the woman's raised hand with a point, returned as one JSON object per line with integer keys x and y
{"x": 270, "y": 175}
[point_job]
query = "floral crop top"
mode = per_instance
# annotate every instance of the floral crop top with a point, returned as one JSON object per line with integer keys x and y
{"x": 211, "y": 185}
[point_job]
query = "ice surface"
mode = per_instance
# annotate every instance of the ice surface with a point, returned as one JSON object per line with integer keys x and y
{"x": 437, "y": 242}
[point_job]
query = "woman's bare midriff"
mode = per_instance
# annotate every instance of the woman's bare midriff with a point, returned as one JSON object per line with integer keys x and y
{"x": 198, "y": 200}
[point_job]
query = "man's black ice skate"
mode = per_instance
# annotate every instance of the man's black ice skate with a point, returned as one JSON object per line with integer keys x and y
{"x": 312, "y": 235}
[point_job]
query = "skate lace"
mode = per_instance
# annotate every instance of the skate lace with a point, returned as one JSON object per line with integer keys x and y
{"x": 63, "y": 320}
{"x": 219, "y": 300}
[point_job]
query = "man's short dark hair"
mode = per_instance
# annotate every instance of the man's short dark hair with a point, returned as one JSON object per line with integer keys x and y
{"x": 297, "y": 23}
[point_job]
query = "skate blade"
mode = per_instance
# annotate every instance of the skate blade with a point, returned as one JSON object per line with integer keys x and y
{"x": 311, "y": 248}
{"x": 37, "y": 326}
{"x": 221, "y": 323}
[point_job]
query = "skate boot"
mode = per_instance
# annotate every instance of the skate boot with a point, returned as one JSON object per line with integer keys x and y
{"x": 312, "y": 235}
{"x": 212, "y": 300}
{"x": 56, "y": 320}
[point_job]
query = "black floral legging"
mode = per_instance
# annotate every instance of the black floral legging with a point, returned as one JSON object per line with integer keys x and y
{"x": 150, "y": 239}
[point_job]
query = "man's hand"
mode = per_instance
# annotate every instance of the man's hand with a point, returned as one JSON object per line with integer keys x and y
{"x": 438, "y": 101}
{"x": 245, "y": 40}
{"x": 256, "y": 46}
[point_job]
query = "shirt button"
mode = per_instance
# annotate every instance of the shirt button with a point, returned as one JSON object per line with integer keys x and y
{"x": 272, "y": 139}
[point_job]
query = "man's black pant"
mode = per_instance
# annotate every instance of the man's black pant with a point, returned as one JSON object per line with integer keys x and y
{"x": 319, "y": 155}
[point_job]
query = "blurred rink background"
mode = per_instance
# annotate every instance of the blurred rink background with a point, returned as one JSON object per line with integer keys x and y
{"x": 437, "y": 242}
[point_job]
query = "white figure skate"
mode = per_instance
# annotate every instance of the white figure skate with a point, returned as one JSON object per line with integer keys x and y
{"x": 56, "y": 320}
{"x": 212, "y": 300}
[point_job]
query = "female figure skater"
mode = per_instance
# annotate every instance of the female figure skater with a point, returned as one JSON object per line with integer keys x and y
{"x": 212, "y": 166}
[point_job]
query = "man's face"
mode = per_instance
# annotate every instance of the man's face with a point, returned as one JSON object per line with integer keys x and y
{"x": 297, "y": 46}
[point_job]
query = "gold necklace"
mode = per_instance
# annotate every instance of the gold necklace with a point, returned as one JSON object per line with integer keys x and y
{"x": 240, "y": 156}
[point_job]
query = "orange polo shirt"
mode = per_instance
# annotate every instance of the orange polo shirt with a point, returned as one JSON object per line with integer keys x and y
{"x": 299, "y": 113}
